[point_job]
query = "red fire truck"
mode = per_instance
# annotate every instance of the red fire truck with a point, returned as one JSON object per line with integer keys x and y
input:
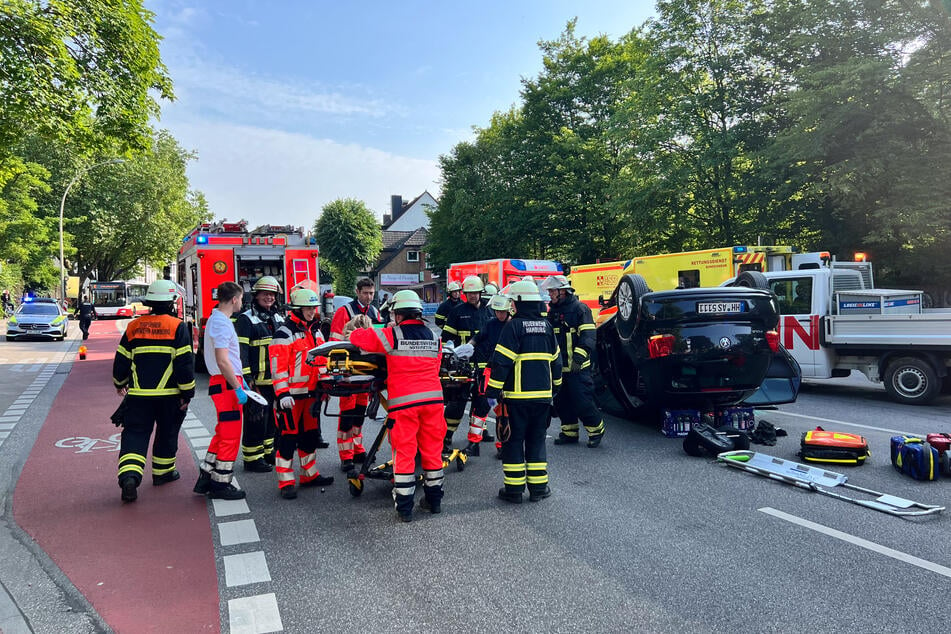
{"x": 229, "y": 252}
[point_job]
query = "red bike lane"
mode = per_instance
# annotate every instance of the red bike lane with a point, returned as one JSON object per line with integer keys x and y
{"x": 146, "y": 566}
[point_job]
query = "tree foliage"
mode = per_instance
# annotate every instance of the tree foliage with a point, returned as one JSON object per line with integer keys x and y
{"x": 817, "y": 123}
{"x": 348, "y": 235}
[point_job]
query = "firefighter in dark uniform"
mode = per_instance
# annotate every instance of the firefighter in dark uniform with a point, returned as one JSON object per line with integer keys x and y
{"x": 454, "y": 289}
{"x": 154, "y": 368}
{"x": 463, "y": 323}
{"x": 86, "y": 312}
{"x": 255, "y": 327}
{"x": 525, "y": 372}
{"x": 574, "y": 327}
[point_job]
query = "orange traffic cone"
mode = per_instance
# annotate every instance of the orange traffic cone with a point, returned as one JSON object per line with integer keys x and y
{"x": 82, "y": 352}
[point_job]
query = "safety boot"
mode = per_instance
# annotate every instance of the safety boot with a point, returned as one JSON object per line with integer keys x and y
{"x": 226, "y": 492}
{"x": 432, "y": 507}
{"x": 346, "y": 466}
{"x": 165, "y": 478}
{"x": 203, "y": 485}
{"x": 432, "y": 499}
{"x": 129, "y": 489}
{"x": 258, "y": 466}
{"x": 534, "y": 495}
{"x": 318, "y": 480}
{"x": 472, "y": 449}
{"x": 487, "y": 437}
{"x": 566, "y": 440}
{"x": 289, "y": 492}
{"x": 269, "y": 458}
{"x": 594, "y": 441}
{"x": 515, "y": 497}
{"x": 404, "y": 507}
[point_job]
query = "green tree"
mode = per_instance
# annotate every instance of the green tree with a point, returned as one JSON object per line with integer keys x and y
{"x": 349, "y": 238}
{"x": 26, "y": 237}
{"x": 81, "y": 72}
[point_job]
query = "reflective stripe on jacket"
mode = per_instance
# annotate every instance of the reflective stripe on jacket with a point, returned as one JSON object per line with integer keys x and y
{"x": 155, "y": 358}
{"x": 573, "y": 325}
{"x": 288, "y": 353}
{"x": 255, "y": 330}
{"x": 464, "y": 322}
{"x": 347, "y": 312}
{"x": 526, "y": 364}
{"x": 412, "y": 362}
{"x": 442, "y": 312}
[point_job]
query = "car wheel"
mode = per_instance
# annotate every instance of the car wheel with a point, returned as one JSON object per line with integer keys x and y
{"x": 629, "y": 292}
{"x": 752, "y": 279}
{"x": 911, "y": 380}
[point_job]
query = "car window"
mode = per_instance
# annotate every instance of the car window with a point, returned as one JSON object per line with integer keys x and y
{"x": 39, "y": 309}
{"x": 794, "y": 295}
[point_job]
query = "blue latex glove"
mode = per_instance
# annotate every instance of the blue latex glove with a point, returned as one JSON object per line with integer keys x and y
{"x": 492, "y": 403}
{"x": 242, "y": 395}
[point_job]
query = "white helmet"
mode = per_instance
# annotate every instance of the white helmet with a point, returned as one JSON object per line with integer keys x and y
{"x": 524, "y": 291}
{"x": 268, "y": 284}
{"x": 162, "y": 291}
{"x": 490, "y": 290}
{"x": 304, "y": 298}
{"x": 472, "y": 284}
{"x": 453, "y": 286}
{"x": 556, "y": 282}
{"x": 501, "y": 302}
{"x": 405, "y": 299}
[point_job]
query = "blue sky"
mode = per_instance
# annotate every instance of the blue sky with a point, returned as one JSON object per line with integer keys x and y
{"x": 292, "y": 104}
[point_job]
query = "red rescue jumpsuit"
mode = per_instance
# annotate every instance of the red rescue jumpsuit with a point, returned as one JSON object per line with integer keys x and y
{"x": 414, "y": 403}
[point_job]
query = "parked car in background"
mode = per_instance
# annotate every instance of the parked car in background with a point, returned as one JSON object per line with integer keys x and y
{"x": 42, "y": 317}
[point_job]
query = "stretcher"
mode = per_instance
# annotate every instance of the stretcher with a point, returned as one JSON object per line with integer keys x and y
{"x": 346, "y": 371}
{"x": 821, "y": 481}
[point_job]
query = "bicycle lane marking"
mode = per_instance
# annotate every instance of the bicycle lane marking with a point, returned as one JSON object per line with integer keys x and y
{"x": 130, "y": 561}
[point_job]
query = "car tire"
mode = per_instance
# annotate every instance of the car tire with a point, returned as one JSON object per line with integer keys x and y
{"x": 912, "y": 380}
{"x": 752, "y": 279}
{"x": 629, "y": 292}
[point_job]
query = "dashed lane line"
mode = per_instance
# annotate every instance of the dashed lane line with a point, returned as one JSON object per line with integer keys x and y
{"x": 842, "y": 422}
{"x": 858, "y": 541}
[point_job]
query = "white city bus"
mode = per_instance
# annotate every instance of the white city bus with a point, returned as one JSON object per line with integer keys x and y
{"x": 118, "y": 299}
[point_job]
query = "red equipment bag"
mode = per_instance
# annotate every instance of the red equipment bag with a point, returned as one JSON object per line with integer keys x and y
{"x": 941, "y": 442}
{"x": 819, "y": 445}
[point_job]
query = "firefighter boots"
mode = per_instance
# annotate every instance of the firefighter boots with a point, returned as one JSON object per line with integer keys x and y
{"x": 566, "y": 440}
{"x": 129, "y": 489}
{"x": 203, "y": 485}
{"x": 258, "y": 466}
{"x": 318, "y": 480}
{"x": 472, "y": 449}
{"x": 226, "y": 492}
{"x": 289, "y": 492}
{"x": 594, "y": 441}
{"x": 536, "y": 494}
{"x": 165, "y": 478}
{"x": 515, "y": 497}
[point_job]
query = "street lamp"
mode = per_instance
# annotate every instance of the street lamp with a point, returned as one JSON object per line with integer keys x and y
{"x": 62, "y": 206}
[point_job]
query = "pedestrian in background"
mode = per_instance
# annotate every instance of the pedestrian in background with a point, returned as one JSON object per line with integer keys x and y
{"x": 86, "y": 312}
{"x": 227, "y": 391}
{"x": 154, "y": 370}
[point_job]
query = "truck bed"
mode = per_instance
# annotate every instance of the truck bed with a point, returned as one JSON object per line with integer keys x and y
{"x": 931, "y": 329}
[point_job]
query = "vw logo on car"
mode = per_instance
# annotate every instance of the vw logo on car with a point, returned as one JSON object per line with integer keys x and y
{"x": 726, "y": 343}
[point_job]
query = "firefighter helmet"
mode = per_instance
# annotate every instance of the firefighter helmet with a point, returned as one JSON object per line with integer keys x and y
{"x": 304, "y": 298}
{"x": 555, "y": 283}
{"x": 524, "y": 292}
{"x": 162, "y": 291}
{"x": 405, "y": 300}
{"x": 501, "y": 302}
{"x": 267, "y": 284}
{"x": 472, "y": 284}
{"x": 453, "y": 286}
{"x": 490, "y": 290}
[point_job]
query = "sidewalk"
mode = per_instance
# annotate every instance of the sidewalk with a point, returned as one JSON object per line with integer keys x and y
{"x": 144, "y": 566}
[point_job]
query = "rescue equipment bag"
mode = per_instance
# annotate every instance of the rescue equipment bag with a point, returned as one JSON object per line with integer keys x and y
{"x": 819, "y": 445}
{"x": 942, "y": 442}
{"x": 915, "y": 457}
{"x": 702, "y": 439}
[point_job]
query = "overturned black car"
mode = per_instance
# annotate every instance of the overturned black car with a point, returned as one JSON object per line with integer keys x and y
{"x": 698, "y": 348}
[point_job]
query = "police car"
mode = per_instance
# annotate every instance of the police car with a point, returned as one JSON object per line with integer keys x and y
{"x": 41, "y": 318}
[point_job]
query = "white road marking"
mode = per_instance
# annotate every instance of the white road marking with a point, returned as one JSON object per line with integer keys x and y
{"x": 194, "y": 432}
{"x": 858, "y": 541}
{"x": 842, "y": 422}
{"x": 4, "y": 434}
{"x": 254, "y": 615}
{"x": 201, "y": 443}
{"x": 192, "y": 424}
{"x": 245, "y": 568}
{"x": 224, "y": 508}
{"x": 9, "y": 419}
{"x": 6, "y": 426}
{"x": 238, "y": 532}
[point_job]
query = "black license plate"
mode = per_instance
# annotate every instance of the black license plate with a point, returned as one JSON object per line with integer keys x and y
{"x": 720, "y": 308}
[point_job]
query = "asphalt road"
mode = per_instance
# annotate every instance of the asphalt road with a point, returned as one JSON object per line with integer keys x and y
{"x": 636, "y": 537}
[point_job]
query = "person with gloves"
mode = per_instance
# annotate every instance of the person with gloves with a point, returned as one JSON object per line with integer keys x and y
{"x": 414, "y": 401}
{"x": 525, "y": 372}
{"x": 574, "y": 328}
{"x": 227, "y": 391}
{"x": 295, "y": 382}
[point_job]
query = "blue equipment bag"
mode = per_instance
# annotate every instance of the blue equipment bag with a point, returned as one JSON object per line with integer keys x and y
{"x": 915, "y": 457}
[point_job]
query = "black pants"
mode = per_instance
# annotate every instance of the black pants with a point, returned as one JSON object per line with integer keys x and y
{"x": 575, "y": 401}
{"x": 524, "y": 459}
{"x": 456, "y": 406}
{"x": 257, "y": 436}
{"x": 84, "y": 327}
{"x": 144, "y": 412}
